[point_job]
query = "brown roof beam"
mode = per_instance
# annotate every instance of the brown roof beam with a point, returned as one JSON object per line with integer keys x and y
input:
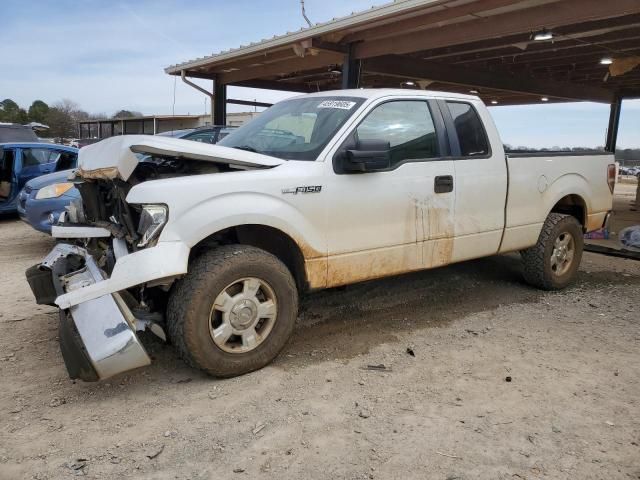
{"x": 526, "y": 20}
{"x": 275, "y": 85}
{"x": 578, "y": 62}
{"x": 598, "y": 28}
{"x": 427, "y": 20}
{"x": 575, "y": 51}
{"x": 411, "y": 68}
{"x": 298, "y": 64}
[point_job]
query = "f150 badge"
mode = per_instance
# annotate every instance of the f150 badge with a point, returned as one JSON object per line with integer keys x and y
{"x": 305, "y": 189}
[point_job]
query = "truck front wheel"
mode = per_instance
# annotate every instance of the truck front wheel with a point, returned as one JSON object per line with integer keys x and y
{"x": 234, "y": 311}
{"x": 553, "y": 262}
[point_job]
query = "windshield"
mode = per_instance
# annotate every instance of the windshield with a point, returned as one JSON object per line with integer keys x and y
{"x": 297, "y": 129}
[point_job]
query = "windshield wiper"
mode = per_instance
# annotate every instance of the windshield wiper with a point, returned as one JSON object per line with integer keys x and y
{"x": 247, "y": 148}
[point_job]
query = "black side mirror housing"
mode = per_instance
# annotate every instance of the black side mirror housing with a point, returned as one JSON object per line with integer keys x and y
{"x": 368, "y": 156}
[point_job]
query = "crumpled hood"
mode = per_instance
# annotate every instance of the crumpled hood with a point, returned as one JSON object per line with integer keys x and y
{"x": 115, "y": 157}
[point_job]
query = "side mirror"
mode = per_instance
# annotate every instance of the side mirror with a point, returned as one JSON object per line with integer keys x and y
{"x": 368, "y": 156}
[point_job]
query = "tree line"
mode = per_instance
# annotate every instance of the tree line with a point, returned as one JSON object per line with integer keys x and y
{"x": 62, "y": 117}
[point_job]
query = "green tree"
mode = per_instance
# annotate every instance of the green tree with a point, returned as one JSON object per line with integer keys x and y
{"x": 38, "y": 111}
{"x": 11, "y": 112}
{"x": 126, "y": 114}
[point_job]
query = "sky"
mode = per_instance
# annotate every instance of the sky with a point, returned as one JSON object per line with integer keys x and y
{"x": 111, "y": 55}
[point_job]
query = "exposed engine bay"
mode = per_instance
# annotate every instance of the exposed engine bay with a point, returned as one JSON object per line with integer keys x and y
{"x": 104, "y": 200}
{"x": 103, "y": 204}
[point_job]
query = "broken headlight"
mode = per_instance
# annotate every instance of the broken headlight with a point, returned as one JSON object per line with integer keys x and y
{"x": 152, "y": 219}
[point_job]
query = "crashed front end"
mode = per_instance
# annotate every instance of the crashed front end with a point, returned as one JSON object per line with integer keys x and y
{"x": 97, "y": 337}
{"x": 118, "y": 258}
{"x": 109, "y": 273}
{"x": 107, "y": 278}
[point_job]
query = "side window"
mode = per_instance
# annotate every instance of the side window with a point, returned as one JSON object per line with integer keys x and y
{"x": 406, "y": 125}
{"x": 38, "y": 156}
{"x": 202, "y": 137}
{"x": 470, "y": 130}
{"x": 67, "y": 161}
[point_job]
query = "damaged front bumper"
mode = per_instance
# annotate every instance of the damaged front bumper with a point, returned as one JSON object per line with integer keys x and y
{"x": 97, "y": 329}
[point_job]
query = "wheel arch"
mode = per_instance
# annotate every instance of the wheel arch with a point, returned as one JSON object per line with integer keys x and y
{"x": 265, "y": 237}
{"x": 574, "y": 205}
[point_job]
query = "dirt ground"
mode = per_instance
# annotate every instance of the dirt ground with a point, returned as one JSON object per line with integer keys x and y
{"x": 504, "y": 382}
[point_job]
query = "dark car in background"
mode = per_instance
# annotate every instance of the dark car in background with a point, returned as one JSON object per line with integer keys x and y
{"x": 21, "y": 162}
{"x": 209, "y": 134}
{"x": 14, "y": 132}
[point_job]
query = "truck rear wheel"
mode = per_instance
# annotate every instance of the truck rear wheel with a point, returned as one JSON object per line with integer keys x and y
{"x": 553, "y": 262}
{"x": 234, "y": 311}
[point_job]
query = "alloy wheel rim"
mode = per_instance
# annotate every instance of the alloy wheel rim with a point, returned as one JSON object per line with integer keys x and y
{"x": 563, "y": 253}
{"x": 242, "y": 315}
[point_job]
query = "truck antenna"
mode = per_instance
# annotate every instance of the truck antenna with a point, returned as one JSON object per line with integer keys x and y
{"x": 304, "y": 14}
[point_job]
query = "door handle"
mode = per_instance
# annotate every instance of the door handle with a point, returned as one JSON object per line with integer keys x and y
{"x": 443, "y": 184}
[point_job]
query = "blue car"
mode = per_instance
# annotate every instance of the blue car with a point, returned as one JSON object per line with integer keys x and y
{"x": 43, "y": 199}
{"x": 22, "y": 162}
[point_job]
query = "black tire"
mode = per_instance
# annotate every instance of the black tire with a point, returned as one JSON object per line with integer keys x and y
{"x": 192, "y": 297}
{"x": 538, "y": 269}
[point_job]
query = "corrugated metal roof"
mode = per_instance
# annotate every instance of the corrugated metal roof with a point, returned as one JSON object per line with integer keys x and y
{"x": 323, "y": 28}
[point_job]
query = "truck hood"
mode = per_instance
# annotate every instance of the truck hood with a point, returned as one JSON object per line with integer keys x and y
{"x": 116, "y": 157}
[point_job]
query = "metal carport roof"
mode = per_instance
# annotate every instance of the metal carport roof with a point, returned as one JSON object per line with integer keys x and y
{"x": 486, "y": 46}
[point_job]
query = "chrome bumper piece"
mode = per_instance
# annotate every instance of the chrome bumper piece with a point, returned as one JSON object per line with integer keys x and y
{"x": 97, "y": 337}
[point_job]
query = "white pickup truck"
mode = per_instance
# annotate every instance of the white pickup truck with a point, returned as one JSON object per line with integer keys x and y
{"x": 213, "y": 244}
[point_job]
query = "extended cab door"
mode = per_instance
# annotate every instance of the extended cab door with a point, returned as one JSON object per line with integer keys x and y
{"x": 481, "y": 179}
{"x": 400, "y": 218}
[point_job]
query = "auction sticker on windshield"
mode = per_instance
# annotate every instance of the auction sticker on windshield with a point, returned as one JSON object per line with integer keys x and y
{"x": 342, "y": 104}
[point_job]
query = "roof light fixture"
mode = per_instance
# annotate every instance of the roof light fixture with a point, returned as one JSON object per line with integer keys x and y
{"x": 544, "y": 99}
{"x": 408, "y": 83}
{"x": 494, "y": 102}
{"x": 606, "y": 61}
{"x": 474, "y": 92}
{"x": 543, "y": 35}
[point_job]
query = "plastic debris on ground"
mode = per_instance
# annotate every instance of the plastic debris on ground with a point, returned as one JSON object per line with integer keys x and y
{"x": 630, "y": 238}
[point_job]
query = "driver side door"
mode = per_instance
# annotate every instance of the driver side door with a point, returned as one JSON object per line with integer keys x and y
{"x": 392, "y": 221}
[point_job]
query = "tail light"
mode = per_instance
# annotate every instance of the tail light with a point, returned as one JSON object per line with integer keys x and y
{"x": 611, "y": 176}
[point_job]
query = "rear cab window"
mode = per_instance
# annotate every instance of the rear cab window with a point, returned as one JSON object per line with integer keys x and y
{"x": 469, "y": 132}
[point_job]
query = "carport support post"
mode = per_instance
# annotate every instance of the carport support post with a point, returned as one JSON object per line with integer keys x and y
{"x": 350, "y": 70}
{"x": 219, "y": 103}
{"x": 614, "y": 122}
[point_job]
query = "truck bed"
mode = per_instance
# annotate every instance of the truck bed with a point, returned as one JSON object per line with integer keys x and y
{"x": 576, "y": 178}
